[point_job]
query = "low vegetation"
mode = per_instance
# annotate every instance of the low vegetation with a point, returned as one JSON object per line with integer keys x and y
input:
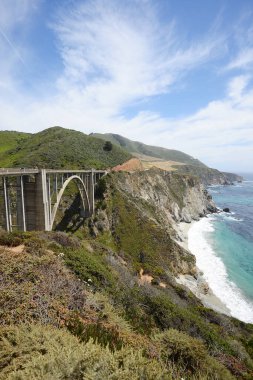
{"x": 72, "y": 305}
{"x": 37, "y": 352}
{"x": 166, "y": 158}
{"x": 58, "y": 148}
{"x": 149, "y": 150}
{"x": 9, "y": 140}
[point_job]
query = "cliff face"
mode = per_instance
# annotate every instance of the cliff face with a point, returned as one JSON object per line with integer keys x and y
{"x": 179, "y": 198}
{"x": 210, "y": 176}
{"x": 113, "y": 285}
{"x": 231, "y": 177}
{"x": 141, "y": 211}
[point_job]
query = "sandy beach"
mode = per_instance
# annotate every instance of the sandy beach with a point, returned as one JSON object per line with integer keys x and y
{"x": 197, "y": 284}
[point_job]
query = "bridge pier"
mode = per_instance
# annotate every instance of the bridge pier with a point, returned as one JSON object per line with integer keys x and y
{"x": 6, "y": 205}
{"x": 91, "y": 191}
{"x": 42, "y": 217}
{"x": 21, "y": 214}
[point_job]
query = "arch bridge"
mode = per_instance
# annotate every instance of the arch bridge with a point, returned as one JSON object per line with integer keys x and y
{"x": 30, "y": 198}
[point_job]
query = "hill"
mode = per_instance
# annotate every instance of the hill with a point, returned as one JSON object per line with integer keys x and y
{"x": 58, "y": 148}
{"x": 170, "y": 159}
{"x": 208, "y": 175}
{"x": 9, "y": 140}
{"x": 105, "y": 303}
{"x": 149, "y": 150}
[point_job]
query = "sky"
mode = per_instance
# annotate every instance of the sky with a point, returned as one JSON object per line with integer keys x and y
{"x": 172, "y": 73}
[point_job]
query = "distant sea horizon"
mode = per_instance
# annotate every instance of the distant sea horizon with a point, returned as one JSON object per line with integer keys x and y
{"x": 223, "y": 246}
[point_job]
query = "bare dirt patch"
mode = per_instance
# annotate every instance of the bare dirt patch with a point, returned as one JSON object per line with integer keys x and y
{"x": 133, "y": 164}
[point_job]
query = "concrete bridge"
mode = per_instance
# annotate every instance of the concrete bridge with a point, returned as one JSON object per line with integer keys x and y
{"x": 30, "y": 198}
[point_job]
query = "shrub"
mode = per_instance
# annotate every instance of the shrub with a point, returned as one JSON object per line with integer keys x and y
{"x": 91, "y": 266}
{"x": 183, "y": 349}
{"x": 10, "y": 239}
{"x": 108, "y": 328}
{"x": 100, "y": 188}
{"x": 65, "y": 240}
{"x": 104, "y": 336}
{"x": 37, "y": 352}
{"x": 108, "y": 146}
{"x": 37, "y": 288}
{"x": 35, "y": 246}
{"x": 189, "y": 354}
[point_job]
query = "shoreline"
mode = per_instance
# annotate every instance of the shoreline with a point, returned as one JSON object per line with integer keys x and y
{"x": 197, "y": 284}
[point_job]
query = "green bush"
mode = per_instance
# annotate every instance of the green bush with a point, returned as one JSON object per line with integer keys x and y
{"x": 108, "y": 146}
{"x": 100, "y": 188}
{"x": 167, "y": 314}
{"x": 179, "y": 347}
{"x": 37, "y": 288}
{"x": 14, "y": 238}
{"x": 10, "y": 239}
{"x": 35, "y": 246}
{"x": 189, "y": 354}
{"x": 65, "y": 240}
{"x": 90, "y": 266}
{"x": 37, "y": 353}
{"x": 109, "y": 329}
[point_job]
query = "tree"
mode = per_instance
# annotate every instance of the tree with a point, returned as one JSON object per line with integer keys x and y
{"x": 107, "y": 146}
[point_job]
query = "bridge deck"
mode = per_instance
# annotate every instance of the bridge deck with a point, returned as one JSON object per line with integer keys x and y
{"x": 8, "y": 172}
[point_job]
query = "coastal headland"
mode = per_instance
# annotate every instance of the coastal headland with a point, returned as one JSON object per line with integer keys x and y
{"x": 119, "y": 294}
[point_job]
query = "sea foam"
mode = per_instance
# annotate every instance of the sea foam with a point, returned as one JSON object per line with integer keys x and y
{"x": 214, "y": 271}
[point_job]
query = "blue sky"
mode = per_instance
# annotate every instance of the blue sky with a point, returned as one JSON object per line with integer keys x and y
{"x": 173, "y": 73}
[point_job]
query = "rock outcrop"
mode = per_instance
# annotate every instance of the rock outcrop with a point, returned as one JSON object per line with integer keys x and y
{"x": 209, "y": 176}
{"x": 142, "y": 211}
{"x": 179, "y": 198}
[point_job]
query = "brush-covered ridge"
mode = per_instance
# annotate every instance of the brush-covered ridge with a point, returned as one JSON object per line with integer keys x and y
{"x": 76, "y": 306}
{"x": 58, "y": 148}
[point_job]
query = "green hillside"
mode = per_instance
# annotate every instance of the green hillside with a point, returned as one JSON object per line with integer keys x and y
{"x": 57, "y": 148}
{"x": 149, "y": 150}
{"x": 10, "y": 140}
{"x": 77, "y": 306}
{"x": 192, "y": 166}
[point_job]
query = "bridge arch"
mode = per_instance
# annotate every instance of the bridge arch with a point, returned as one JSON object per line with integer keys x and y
{"x": 83, "y": 193}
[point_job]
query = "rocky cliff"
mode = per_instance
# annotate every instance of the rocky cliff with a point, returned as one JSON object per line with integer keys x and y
{"x": 179, "y": 198}
{"x": 185, "y": 163}
{"x": 232, "y": 178}
{"x": 210, "y": 176}
{"x": 104, "y": 302}
{"x": 142, "y": 211}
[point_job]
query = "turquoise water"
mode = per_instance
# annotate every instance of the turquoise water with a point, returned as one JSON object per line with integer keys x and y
{"x": 231, "y": 237}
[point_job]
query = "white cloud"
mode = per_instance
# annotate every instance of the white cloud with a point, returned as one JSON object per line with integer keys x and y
{"x": 243, "y": 41}
{"x": 14, "y": 19}
{"x": 237, "y": 85}
{"x": 14, "y": 12}
{"x": 221, "y": 134}
{"x": 244, "y": 60}
{"x": 115, "y": 56}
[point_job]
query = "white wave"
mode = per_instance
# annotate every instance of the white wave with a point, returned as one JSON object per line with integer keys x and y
{"x": 234, "y": 219}
{"x": 214, "y": 272}
{"x": 230, "y": 218}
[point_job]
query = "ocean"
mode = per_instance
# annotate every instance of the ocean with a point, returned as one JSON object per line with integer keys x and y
{"x": 223, "y": 246}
